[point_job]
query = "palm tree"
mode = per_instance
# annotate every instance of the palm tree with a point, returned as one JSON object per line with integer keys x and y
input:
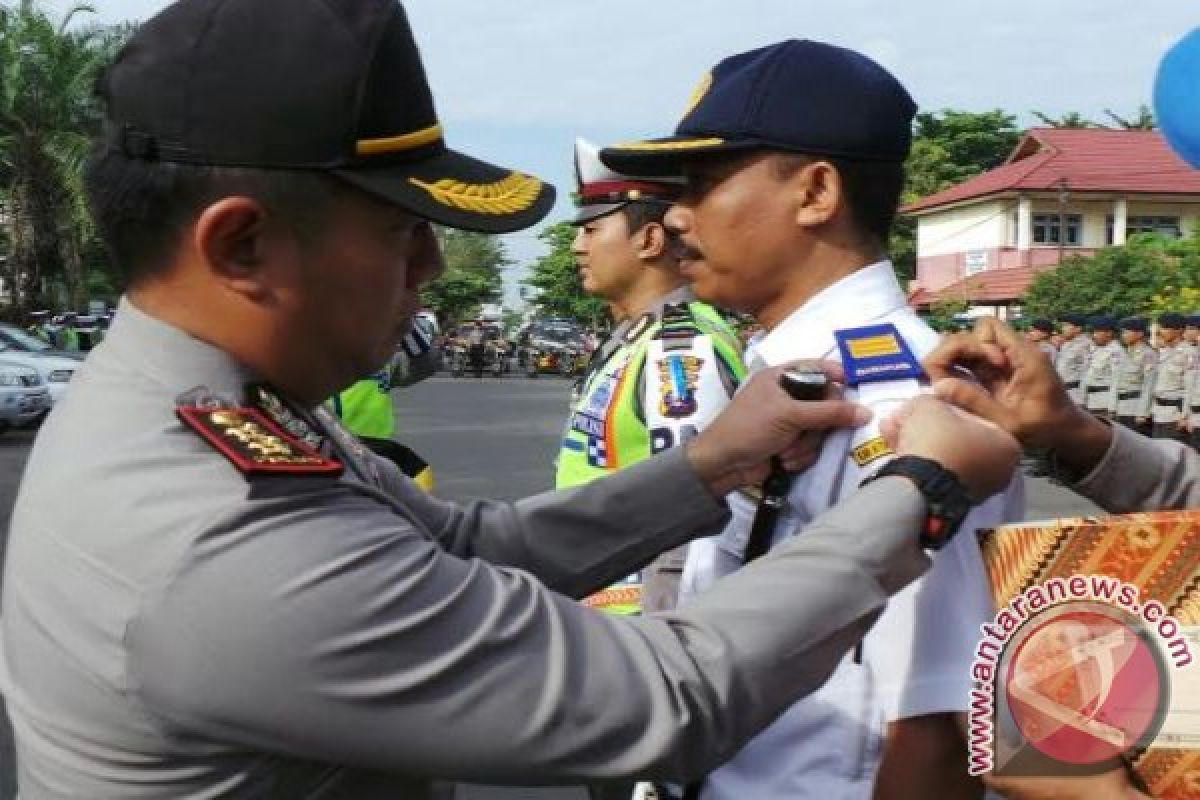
{"x": 1071, "y": 119}
{"x": 47, "y": 116}
{"x": 1144, "y": 121}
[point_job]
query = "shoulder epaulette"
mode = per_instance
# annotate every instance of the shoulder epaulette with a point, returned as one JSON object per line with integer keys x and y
{"x": 876, "y": 353}
{"x": 251, "y": 439}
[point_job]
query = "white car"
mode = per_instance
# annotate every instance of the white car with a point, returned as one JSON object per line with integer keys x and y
{"x": 55, "y": 371}
{"x": 24, "y": 398}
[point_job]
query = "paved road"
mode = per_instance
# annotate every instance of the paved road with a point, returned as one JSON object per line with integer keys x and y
{"x": 485, "y": 438}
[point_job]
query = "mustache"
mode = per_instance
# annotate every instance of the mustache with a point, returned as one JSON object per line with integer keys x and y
{"x": 681, "y": 250}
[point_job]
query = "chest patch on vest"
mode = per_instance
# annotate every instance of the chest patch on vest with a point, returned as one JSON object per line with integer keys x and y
{"x": 254, "y": 443}
{"x": 597, "y": 403}
{"x": 875, "y": 353}
{"x": 678, "y": 375}
{"x": 587, "y": 424}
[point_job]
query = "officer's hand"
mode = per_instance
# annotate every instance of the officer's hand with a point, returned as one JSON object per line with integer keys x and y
{"x": 981, "y": 454}
{"x": 1018, "y": 390}
{"x": 761, "y": 421}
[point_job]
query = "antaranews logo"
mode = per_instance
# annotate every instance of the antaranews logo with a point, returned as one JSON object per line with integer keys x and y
{"x": 1071, "y": 675}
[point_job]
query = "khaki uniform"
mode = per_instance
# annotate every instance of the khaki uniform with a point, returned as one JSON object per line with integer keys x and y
{"x": 1135, "y": 384}
{"x": 1072, "y": 364}
{"x": 176, "y": 628}
{"x": 1100, "y": 379}
{"x": 1176, "y": 364}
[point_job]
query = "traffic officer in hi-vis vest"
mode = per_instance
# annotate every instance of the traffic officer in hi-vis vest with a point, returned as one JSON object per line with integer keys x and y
{"x": 1100, "y": 379}
{"x": 1176, "y": 361}
{"x": 670, "y": 365}
{"x": 1074, "y": 355}
{"x": 365, "y": 407}
{"x": 1135, "y": 376}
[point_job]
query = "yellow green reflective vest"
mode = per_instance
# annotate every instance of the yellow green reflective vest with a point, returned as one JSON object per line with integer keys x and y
{"x": 670, "y": 375}
{"x": 365, "y": 408}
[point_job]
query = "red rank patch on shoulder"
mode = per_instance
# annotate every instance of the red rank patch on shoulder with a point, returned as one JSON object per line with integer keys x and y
{"x": 255, "y": 444}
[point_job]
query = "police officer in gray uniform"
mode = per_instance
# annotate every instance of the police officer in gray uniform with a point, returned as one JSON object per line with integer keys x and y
{"x": 1176, "y": 363}
{"x": 1135, "y": 376}
{"x": 1073, "y": 356}
{"x": 1100, "y": 379}
{"x": 1040, "y": 331}
{"x": 237, "y": 598}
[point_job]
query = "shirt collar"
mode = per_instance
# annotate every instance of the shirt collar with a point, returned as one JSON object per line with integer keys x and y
{"x": 862, "y": 297}
{"x": 171, "y": 356}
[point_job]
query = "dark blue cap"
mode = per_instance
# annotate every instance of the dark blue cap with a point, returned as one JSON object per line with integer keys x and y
{"x": 1043, "y": 325}
{"x": 1193, "y": 321}
{"x": 1173, "y": 321}
{"x": 797, "y": 96}
{"x": 1074, "y": 319}
{"x": 1134, "y": 324}
{"x": 1103, "y": 323}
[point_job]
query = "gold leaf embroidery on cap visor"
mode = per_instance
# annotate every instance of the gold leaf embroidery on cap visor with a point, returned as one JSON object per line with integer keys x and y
{"x": 398, "y": 144}
{"x": 698, "y": 93}
{"x": 682, "y": 144}
{"x": 515, "y": 193}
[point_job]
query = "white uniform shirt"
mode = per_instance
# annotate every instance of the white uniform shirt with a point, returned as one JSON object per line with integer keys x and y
{"x": 917, "y": 658}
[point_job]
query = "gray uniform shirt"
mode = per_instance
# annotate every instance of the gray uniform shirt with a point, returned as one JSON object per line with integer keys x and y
{"x": 173, "y": 629}
{"x": 1135, "y": 381}
{"x": 1100, "y": 379}
{"x": 1175, "y": 364}
{"x": 1072, "y": 362}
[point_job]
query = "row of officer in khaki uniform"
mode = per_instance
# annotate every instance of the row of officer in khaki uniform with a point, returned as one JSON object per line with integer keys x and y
{"x": 1155, "y": 389}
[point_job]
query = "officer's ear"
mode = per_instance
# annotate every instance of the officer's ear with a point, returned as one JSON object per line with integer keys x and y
{"x": 650, "y": 241}
{"x": 815, "y": 187}
{"x": 229, "y": 236}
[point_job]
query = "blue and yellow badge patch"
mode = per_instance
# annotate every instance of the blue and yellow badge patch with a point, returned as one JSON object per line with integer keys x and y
{"x": 876, "y": 353}
{"x": 678, "y": 375}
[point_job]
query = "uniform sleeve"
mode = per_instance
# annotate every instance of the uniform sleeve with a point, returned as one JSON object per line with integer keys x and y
{"x": 1142, "y": 474}
{"x": 322, "y": 626}
{"x": 922, "y": 654}
{"x": 1147, "y": 405}
{"x": 579, "y": 540}
{"x": 1191, "y": 384}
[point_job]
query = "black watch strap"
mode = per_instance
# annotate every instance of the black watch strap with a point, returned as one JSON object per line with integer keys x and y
{"x": 944, "y": 493}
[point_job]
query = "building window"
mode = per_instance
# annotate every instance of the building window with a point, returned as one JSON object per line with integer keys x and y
{"x": 1164, "y": 226}
{"x": 1046, "y": 229}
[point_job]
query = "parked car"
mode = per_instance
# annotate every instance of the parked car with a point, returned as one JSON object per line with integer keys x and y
{"x": 55, "y": 371}
{"x": 26, "y": 342}
{"x": 24, "y": 398}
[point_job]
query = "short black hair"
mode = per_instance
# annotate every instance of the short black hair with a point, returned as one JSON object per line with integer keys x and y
{"x": 873, "y": 189}
{"x": 641, "y": 213}
{"x": 141, "y": 207}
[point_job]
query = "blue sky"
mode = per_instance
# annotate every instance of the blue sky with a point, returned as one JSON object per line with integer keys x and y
{"x": 516, "y": 80}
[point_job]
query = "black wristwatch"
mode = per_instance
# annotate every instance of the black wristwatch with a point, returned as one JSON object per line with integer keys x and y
{"x": 945, "y": 494}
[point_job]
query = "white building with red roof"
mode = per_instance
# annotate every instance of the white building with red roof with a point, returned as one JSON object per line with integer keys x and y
{"x": 1062, "y": 192}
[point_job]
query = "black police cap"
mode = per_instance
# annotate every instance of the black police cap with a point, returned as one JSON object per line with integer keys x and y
{"x": 1172, "y": 321}
{"x": 1103, "y": 323}
{"x": 1079, "y": 320}
{"x": 798, "y": 96}
{"x": 1134, "y": 324}
{"x": 1043, "y": 325}
{"x": 305, "y": 84}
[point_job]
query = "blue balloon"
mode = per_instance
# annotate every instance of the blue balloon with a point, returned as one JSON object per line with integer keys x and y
{"x": 1177, "y": 97}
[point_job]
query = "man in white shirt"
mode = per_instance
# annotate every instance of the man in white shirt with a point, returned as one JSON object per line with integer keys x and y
{"x": 792, "y": 187}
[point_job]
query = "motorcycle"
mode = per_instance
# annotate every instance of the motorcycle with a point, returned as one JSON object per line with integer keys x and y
{"x": 564, "y": 361}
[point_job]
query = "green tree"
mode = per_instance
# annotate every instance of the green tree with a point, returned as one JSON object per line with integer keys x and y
{"x": 1148, "y": 274}
{"x": 473, "y": 276}
{"x": 48, "y": 115}
{"x": 949, "y": 147}
{"x": 556, "y": 278}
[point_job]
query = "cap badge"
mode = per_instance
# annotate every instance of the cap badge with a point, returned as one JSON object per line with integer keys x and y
{"x": 515, "y": 193}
